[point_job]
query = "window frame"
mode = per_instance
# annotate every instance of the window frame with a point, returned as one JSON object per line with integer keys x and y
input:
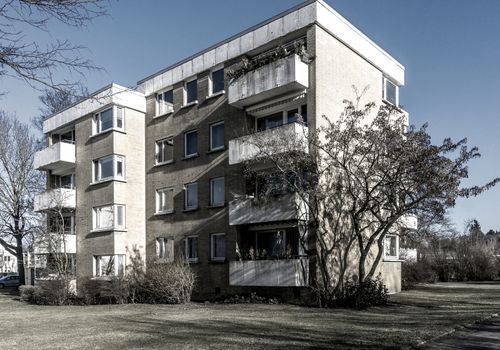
{"x": 386, "y": 80}
{"x": 162, "y": 246}
{"x": 388, "y": 257}
{"x": 186, "y": 191}
{"x": 97, "y": 122}
{"x": 185, "y": 92}
{"x": 116, "y": 273}
{"x": 189, "y": 259}
{"x": 211, "y": 185}
{"x": 115, "y": 227}
{"x": 212, "y": 251}
{"x": 97, "y": 166}
{"x": 218, "y": 148}
{"x": 157, "y": 150}
{"x": 211, "y": 91}
{"x": 284, "y": 112}
{"x": 158, "y": 193}
{"x": 191, "y": 155}
{"x": 168, "y": 107}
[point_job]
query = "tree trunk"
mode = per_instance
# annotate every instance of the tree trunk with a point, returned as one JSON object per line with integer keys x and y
{"x": 20, "y": 259}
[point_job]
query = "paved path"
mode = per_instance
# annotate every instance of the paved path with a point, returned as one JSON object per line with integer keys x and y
{"x": 483, "y": 336}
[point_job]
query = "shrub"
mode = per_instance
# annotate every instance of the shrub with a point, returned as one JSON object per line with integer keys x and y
{"x": 365, "y": 294}
{"x": 166, "y": 283}
{"x": 251, "y": 298}
{"x": 417, "y": 272}
{"x": 49, "y": 292}
{"x": 113, "y": 290}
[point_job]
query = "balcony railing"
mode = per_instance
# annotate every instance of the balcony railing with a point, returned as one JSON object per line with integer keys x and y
{"x": 56, "y": 243}
{"x": 60, "y": 198}
{"x": 283, "y": 76}
{"x": 59, "y": 158}
{"x": 251, "y": 211}
{"x": 286, "y": 138}
{"x": 270, "y": 273}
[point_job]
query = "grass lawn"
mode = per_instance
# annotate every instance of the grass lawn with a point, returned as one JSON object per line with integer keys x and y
{"x": 411, "y": 317}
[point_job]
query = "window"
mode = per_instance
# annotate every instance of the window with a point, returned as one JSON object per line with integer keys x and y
{"x": 191, "y": 196}
{"x": 190, "y": 144}
{"x": 390, "y": 92}
{"x": 274, "y": 244}
{"x": 164, "y": 102}
{"x": 165, "y": 151}
{"x": 217, "y": 81}
{"x": 217, "y": 192}
{"x": 191, "y": 92}
{"x": 391, "y": 247}
{"x": 218, "y": 247}
{"x": 217, "y": 136}
{"x": 191, "y": 245}
{"x": 62, "y": 225}
{"x": 109, "y": 217}
{"x": 110, "y": 167}
{"x": 164, "y": 200}
{"x": 165, "y": 249}
{"x": 111, "y": 118}
{"x": 287, "y": 116}
{"x": 109, "y": 265}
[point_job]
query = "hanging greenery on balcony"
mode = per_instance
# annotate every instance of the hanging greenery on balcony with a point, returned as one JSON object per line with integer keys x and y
{"x": 249, "y": 64}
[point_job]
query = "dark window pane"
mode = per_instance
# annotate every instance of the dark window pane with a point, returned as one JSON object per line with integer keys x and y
{"x": 217, "y": 136}
{"x": 191, "y": 143}
{"x": 191, "y": 91}
{"x": 168, "y": 96}
{"x": 303, "y": 112}
{"x": 292, "y": 116}
{"x": 106, "y": 167}
{"x": 218, "y": 81}
{"x": 106, "y": 119}
{"x": 270, "y": 122}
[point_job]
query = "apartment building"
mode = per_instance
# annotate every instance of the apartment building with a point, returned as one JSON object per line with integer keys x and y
{"x": 158, "y": 169}
{"x": 8, "y": 262}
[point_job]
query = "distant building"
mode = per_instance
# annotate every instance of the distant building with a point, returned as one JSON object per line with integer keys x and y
{"x": 157, "y": 168}
{"x": 8, "y": 262}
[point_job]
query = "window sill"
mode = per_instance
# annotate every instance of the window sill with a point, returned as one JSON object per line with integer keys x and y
{"x": 164, "y": 163}
{"x": 190, "y": 209}
{"x": 219, "y": 93}
{"x": 110, "y": 229}
{"x": 218, "y": 261}
{"x": 106, "y": 180}
{"x": 218, "y": 206}
{"x": 163, "y": 261}
{"x": 163, "y": 115}
{"x": 191, "y": 156}
{"x": 193, "y": 261}
{"x": 221, "y": 149}
{"x": 107, "y": 132}
{"x": 389, "y": 259}
{"x": 190, "y": 104}
{"x": 167, "y": 212}
{"x": 398, "y": 108}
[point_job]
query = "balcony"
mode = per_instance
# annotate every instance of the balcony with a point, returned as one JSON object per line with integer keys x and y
{"x": 63, "y": 198}
{"x": 269, "y": 273}
{"x": 409, "y": 222}
{"x": 252, "y": 211}
{"x": 60, "y": 157}
{"x": 56, "y": 243}
{"x": 270, "y": 141}
{"x": 283, "y": 76}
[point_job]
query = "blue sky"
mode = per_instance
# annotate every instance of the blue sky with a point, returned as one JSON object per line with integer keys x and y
{"x": 451, "y": 51}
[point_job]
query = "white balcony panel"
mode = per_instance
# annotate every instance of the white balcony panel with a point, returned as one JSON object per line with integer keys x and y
{"x": 409, "y": 221}
{"x": 251, "y": 211}
{"x": 63, "y": 198}
{"x": 251, "y": 146}
{"x": 56, "y": 243}
{"x": 285, "y": 75}
{"x": 269, "y": 273}
{"x": 60, "y": 157}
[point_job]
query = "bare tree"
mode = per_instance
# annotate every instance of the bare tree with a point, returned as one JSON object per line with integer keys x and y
{"x": 33, "y": 63}
{"x": 361, "y": 179}
{"x": 18, "y": 184}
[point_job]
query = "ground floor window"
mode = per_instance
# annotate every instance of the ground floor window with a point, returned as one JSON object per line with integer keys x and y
{"x": 109, "y": 265}
{"x": 218, "y": 247}
{"x": 191, "y": 249}
{"x": 165, "y": 249}
{"x": 391, "y": 247}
